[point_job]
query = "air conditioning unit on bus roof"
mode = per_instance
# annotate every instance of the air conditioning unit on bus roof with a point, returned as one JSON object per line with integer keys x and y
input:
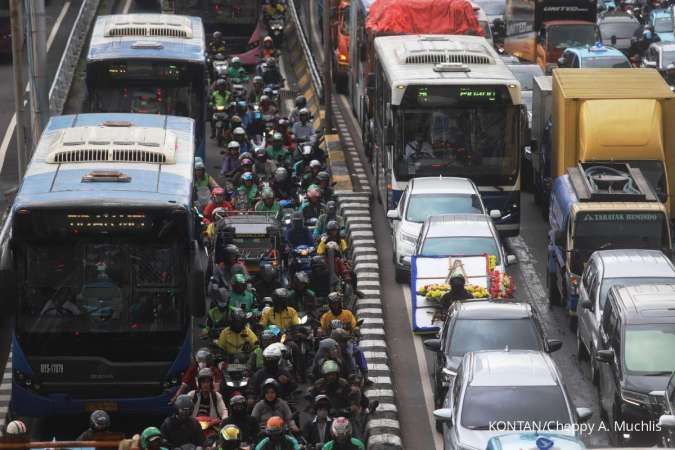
{"x": 113, "y": 143}
{"x": 443, "y": 51}
{"x": 149, "y": 25}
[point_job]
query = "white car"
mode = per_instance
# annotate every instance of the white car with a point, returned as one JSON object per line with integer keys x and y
{"x": 424, "y": 197}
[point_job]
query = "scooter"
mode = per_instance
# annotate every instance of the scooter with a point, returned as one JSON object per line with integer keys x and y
{"x": 220, "y": 118}
{"x": 275, "y": 26}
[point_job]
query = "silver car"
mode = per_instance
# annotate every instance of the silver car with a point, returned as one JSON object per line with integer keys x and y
{"x": 607, "y": 268}
{"x": 515, "y": 389}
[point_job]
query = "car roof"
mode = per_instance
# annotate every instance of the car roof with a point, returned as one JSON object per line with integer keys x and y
{"x": 448, "y": 225}
{"x": 512, "y": 368}
{"x": 660, "y": 12}
{"x": 442, "y": 185}
{"x": 634, "y": 263}
{"x": 647, "y": 303}
{"x": 618, "y": 18}
{"x": 493, "y": 309}
{"x": 586, "y": 51}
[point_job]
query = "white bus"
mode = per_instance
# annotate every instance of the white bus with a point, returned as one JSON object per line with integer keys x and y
{"x": 460, "y": 99}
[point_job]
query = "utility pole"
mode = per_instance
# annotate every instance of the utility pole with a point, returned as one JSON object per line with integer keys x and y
{"x": 18, "y": 59}
{"x": 38, "y": 68}
{"x": 327, "y": 60}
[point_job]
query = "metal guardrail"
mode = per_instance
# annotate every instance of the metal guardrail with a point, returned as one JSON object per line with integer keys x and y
{"x": 63, "y": 78}
{"x": 309, "y": 57}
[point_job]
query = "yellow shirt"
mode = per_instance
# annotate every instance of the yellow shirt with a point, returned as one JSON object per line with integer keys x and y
{"x": 345, "y": 317}
{"x": 284, "y": 320}
{"x": 233, "y": 342}
{"x": 321, "y": 249}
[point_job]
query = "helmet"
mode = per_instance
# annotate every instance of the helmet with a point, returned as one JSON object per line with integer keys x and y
{"x": 233, "y": 144}
{"x": 301, "y": 277}
{"x": 268, "y": 91}
{"x": 300, "y": 101}
{"x": 315, "y": 164}
{"x": 341, "y": 428}
{"x": 321, "y": 398}
{"x": 204, "y": 357}
{"x": 218, "y": 191}
{"x": 239, "y": 131}
{"x": 267, "y": 194}
{"x": 236, "y": 119}
{"x": 281, "y": 174}
{"x": 16, "y": 427}
{"x": 340, "y": 335}
{"x": 274, "y": 328}
{"x": 183, "y": 402}
{"x": 274, "y": 426}
{"x": 303, "y": 112}
{"x": 245, "y": 155}
{"x": 237, "y": 314}
{"x": 264, "y": 98}
{"x": 329, "y": 366}
{"x": 236, "y": 60}
{"x": 221, "y": 84}
{"x": 260, "y": 152}
{"x": 272, "y": 352}
{"x": 283, "y": 122}
{"x": 238, "y": 400}
{"x": 247, "y": 176}
{"x": 246, "y": 162}
{"x": 313, "y": 194}
{"x": 331, "y": 207}
{"x": 219, "y": 57}
{"x": 267, "y": 39}
{"x": 258, "y": 79}
{"x": 200, "y": 166}
{"x": 278, "y": 137}
{"x": 238, "y": 278}
{"x": 151, "y": 434}
{"x": 334, "y": 297}
{"x": 323, "y": 176}
{"x": 268, "y": 336}
{"x": 269, "y": 383}
{"x": 280, "y": 294}
{"x": 231, "y": 433}
{"x": 217, "y": 35}
{"x": 332, "y": 226}
{"x": 205, "y": 373}
{"x": 232, "y": 251}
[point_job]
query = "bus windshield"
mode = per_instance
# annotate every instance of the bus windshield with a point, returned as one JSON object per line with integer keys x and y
{"x": 476, "y": 142}
{"x": 148, "y": 87}
{"x": 564, "y": 36}
{"x": 101, "y": 287}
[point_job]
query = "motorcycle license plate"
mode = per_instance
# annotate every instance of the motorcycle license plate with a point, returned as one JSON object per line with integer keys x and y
{"x": 105, "y": 406}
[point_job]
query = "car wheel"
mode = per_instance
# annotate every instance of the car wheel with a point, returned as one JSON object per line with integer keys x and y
{"x": 582, "y": 354}
{"x": 615, "y": 436}
{"x": 553, "y": 292}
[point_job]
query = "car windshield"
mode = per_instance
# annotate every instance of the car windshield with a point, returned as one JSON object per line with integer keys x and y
{"x": 422, "y": 206}
{"x": 649, "y": 349}
{"x": 608, "y": 283}
{"x": 663, "y": 24}
{"x": 606, "y": 62}
{"x": 470, "y": 335}
{"x": 493, "y": 8}
{"x": 460, "y": 246}
{"x": 562, "y": 37}
{"x": 525, "y": 74}
{"x": 622, "y": 30}
{"x": 667, "y": 57}
{"x": 519, "y": 406}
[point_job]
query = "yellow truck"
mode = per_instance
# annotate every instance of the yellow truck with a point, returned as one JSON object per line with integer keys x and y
{"x": 608, "y": 115}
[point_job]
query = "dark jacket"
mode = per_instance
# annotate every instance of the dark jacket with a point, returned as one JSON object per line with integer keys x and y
{"x": 247, "y": 425}
{"x": 178, "y": 431}
{"x": 311, "y": 432}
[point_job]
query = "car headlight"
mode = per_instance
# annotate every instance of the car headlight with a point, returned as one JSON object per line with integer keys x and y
{"x": 635, "y": 398}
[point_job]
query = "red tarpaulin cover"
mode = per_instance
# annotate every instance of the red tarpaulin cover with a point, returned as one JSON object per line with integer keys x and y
{"x": 423, "y": 17}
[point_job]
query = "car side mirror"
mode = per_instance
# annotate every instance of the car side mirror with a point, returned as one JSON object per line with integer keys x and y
{"x": 443, "y": 415}
{"x": 605, "y": 356}
{"x": 433, "y": 345}
{"x": 495, "y": 214}
{"x": 650, "y": 64}
{"x": 559, "y": 238}
{"x": 586, "y": 304}
{"x": 613, "y": 40}
{"x": 393, "y": 214}
{"x": 667, "y": 421}
{"x": 511, "y": 259}
{"x": 561, "y": 61}
{"x": 553, "y": 345}
{"x": 583, "y": 414}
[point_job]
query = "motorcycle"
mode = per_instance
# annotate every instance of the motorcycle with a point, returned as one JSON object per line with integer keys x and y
{"x": 275, "y": 26}
{"x": 235, "y": 376}
{"x": 210, "y": 427}
{"x": 302, "y": 259}
{"x": 219, "y": 68}
{"x": 239, "y": 91}
{"x": 220, "y": 118}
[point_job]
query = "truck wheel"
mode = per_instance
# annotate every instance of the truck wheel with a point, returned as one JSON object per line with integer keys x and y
{"x": 553, "y": 293}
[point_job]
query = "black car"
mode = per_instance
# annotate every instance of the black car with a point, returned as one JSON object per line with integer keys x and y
{"x": 484, "y": 325}
{"x": 635, "y": 349}
{"x": 667, "y": 420}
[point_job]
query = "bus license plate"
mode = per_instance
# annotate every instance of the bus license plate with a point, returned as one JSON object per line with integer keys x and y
{"x": 105, "y": 406}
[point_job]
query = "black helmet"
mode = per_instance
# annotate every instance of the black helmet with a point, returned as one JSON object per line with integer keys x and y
{"x": 184, "y": 404}
{"x": 232, "y": 251}
{"x": 269, "y": 383}
{"x": 217, "y": 35}
{"x": 331, "y": 208}
{"x": 301, "y": 277}
{"x": 238, "y": 400}
{"x": 221, "y": 84}
{"x": 268, "y": 273}
{"x": 280, "y": 296}
{"x": 332, "y": 226}
{"x": 99, "y": 420}
{"x": 205, "y": 374}
{"x": 268, "y": 91}
{"x": 281, "y": 174}
{"x": 300, "y": 102}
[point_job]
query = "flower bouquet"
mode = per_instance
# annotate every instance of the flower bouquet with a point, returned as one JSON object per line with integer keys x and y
{"x": 501, "y": 285}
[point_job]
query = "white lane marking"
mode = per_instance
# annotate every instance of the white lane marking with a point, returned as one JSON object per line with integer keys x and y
{"x": 387, "y": 407}
{"x": 9, "y": 132}
{"x": 373, "y": 355}
{"x": 127, "y": 7}
{"x": 370, "y": 311}
{"x": 372, "y": 343}
{"x": 424, "y": 372}
{"x": 388, "y": 423}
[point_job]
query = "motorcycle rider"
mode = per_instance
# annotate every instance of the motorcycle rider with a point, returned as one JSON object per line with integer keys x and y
{"x": 300, "y": 296}
{"x": 231, "y": 163}
{"x": 229, "y": 438}
{"x": 242, "y": 295}
{"x": 257, "y": 91}
{"x": 217, "y": 201}
{"x": 203, "y": 179}
{"x": 99, "y": 427}
{"x": 302, "y": 160}
{"x": 207, "y": 402}
{"x": 203, "y": 360}
{"x": 283, "y": 128}
{"x": 332, "y": 385}
{"x": 271, "y": 404}
{"x": 272, "y": 368}
{"x": 298, "y": 234}
{"x": 277, "y": 152}
{"x": 337, "y": 312}
{"x": 330, "y": 215}
{"x": 280, "y": 314}
{"x": 263, "y": 166}
{"x": 228, "y": 263}
{"x": 310, "y": 176}
{"x": 272, "y": 75}
{"x": 323, "y": 181}
{"x": 277, "y": 438}
{"x": 248, "y": 190}
{"x": 332, "y": 235}
{"x": 237, "y": 337}
{"x": 329, "y": 350}
{"x": 182, "y": 428}
{"x": 303, "y": 129}
{"x": 246, "y": 166}
{"x": 342, "y": 437}
{"x": 317, "y": 431}
{"x": 300, "y": 103}
{"x": 151, "y": 439}
{"x": 217, "y": 44}
{"x": 312, "y": 206}
{"x": 267, "y": 281}
{"x": 239, "y": 417}
{"x": 268, "y": 50}
{"x": 239, "y": 135}
{"x": 268, "y": 204}
{"x": 236, "y": 72}
{"x": 255, "y": 359}
{"x": 267, "y": 106}
{"x": 282, "y": 185}
{"x": 220, "y": 97}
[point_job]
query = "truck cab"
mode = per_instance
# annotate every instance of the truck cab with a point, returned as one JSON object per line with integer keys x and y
{"x": 557, "y": 35}
{"x": 598, "y": 206}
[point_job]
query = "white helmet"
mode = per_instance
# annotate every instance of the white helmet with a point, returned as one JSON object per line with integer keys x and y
{"x": 16, "y": 427}
{"x": 273, "y": 351}
{"x": 236, "y": 60}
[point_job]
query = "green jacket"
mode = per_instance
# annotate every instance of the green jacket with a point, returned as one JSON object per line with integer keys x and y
{"x": 236, "y": 72}
{"x": 220, "y": 98}
{"x": 215, "y": 318}
{"x": 278, "y": 154}
{"x": 357, "y": 444}
{"x": 247, "y": 298}
{"x": 289, "y": 442}
{"x": 251, "y": 193}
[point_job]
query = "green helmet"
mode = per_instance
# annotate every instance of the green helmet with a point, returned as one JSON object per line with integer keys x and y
{"x": 239, "y": 278}
{"x": 148, "y": 435}
{"x": 329, "y": 367}
{"x": 267, "y": 193}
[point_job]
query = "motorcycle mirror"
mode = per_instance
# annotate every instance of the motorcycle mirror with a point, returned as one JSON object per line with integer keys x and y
{"x": 360, "y": 322}
{"x": 303, "y": 320}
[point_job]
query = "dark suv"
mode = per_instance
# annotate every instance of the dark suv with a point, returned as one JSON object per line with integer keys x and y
{"x": 637, "y": 338}
{"x": 484, "y": 325}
